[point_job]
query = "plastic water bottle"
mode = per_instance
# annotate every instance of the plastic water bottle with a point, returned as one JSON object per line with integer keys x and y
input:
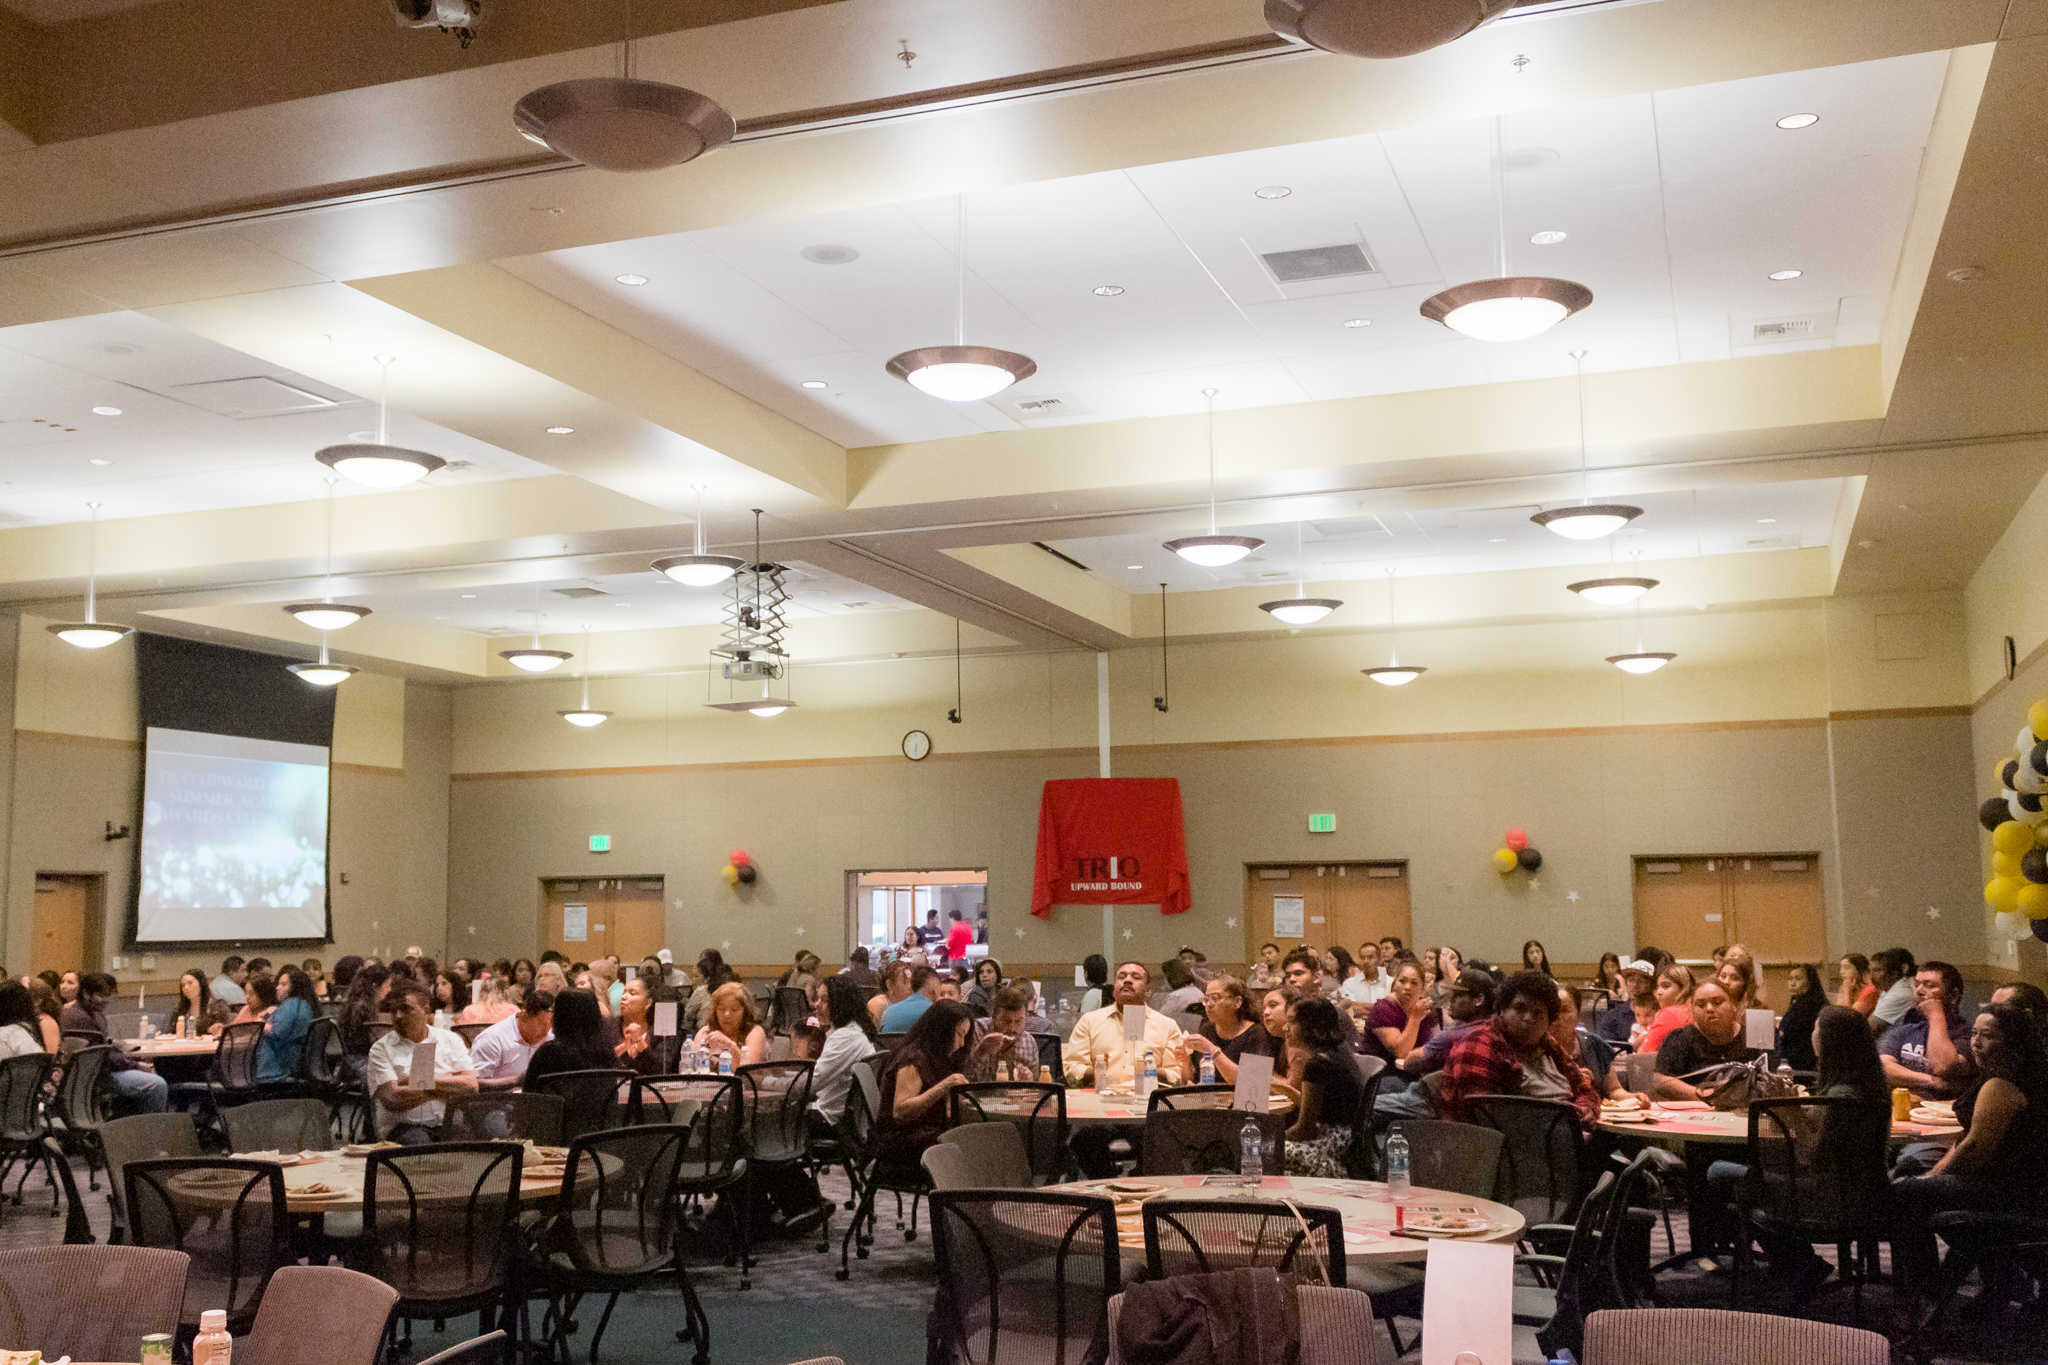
{"x": 1151, "y": 1082}
{"x": 1208, "y": 1069}
{"x": 725, "y": 1063}
{"x": 1251, "y": 1151}
{"x": 1397, "y": 1167}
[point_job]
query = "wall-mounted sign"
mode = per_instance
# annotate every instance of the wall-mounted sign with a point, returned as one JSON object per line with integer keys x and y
{"x": 1289, "y": 916}
{"x": 1323, "y": 824}
{"x": 575, "y": 923}
{"x": 600, "y": 843}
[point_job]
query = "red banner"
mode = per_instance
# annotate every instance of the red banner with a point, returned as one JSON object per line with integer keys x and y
{"x": 1111, "y": 841}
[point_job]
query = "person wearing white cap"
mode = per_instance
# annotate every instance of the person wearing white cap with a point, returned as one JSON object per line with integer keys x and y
{"x": 1627, "y": 1020}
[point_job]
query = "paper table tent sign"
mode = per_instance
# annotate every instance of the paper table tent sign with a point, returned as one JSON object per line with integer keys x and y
{"x": 665, "y": 1019}
{"x": 420, "y": 1075}
{"x": 1468, "y": 1304}
{"x": 1254, "y": 1083}
{"x": 1759, "y": 1029}
{"x": 1111, "y": 841}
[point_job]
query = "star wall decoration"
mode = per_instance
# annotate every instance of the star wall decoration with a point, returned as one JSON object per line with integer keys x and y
{"x": 1934, "y": 912}
{"x": 1127, "y": 933}
{"x": 1572, "y": 896}
{"x": 1020, "y": 933}
{"x": 472, "y": 928}
{"x": 726, "y": 946}
{"x": 799, "y": 931}
{"x": 1230, "y": 924}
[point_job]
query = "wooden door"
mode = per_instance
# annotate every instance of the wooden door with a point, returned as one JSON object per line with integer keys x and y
{"x": 1367, "y": 901}
{"x": 574, "y": 921}
{"x": 635, "y": 917}
{"x": 63, "y": 941}
{"x": 1269, "y": 896}
{"x": 1777, "y": 911}
{"x": 1681, "y": 906}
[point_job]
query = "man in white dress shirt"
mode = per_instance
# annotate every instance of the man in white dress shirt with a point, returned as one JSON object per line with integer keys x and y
{"x": 500, "y": 1053}
{"x": 405, "y": 1113}
{"x": 1101, "y": 1032}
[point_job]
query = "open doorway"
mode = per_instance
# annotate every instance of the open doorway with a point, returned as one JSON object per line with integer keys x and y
{"x": 882, "y": 905}
{"x": 70, "y": 922}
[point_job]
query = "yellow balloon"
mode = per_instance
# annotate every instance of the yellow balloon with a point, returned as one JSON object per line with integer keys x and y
{"x": 731, "y": 874}
{"x": 2033, "y": 901}
{"x": 2012, "y": 837}
{"x": 1991, "y": 891}
{"x": 2004, "y": 865}
{"x": 1504, "y": 860}
{"x": 2004, "y": 894}
{"x": 2037, "y": 718}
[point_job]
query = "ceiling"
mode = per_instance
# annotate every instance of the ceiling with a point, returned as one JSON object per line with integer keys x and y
{"x": 399, "y": 216}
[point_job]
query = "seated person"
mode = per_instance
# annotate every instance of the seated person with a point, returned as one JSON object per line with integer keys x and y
{"x": 1468, "y": 1002}
{"x": 1183, "y": 993}
{"x": 921, "y": 990}
{"x": 1997, "y": 1165}
{"x": 1228, "y": 1033}
{"x": 1514, "y": 1054}
{"x": 1594, "y": 1054}
{"x": 1924, "y": 1051}
{"x": 142, "y": 1091}
{"x": 407, "y": 1113}
{"x": 1001, "y": 1040}
{"x": 1266, "y": 971}
{"x": 2028, "y": 999}
{"x": 502, "y": 1052}
{"x": 1403, "y": 1020}
{"x": 640, "y": 1048}
{"x": 1332, "y": 1090}
{"x": 1714, "y": 1036}
{"x": 1673, "y": 993}
{"x": 851, "y": 1039}
{"x": 913, "y": 1088}
{"x": 1100, "y": 1034}
{"x": 730, "y": 1027}
{"x": 1628, "y": 1018}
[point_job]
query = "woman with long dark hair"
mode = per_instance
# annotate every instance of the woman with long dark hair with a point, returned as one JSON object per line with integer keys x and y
{"x": 1095, "y": 971}
{"x": 1795, "y": 1030}
{"x": 1331, "y": 1091}
{"x": 359, "y": 1010}
{"x": 20, "y": 1032}
{"x": 202, "y": 1013}
{"x": 639, "y": 1049}
{"x": 1607, "y": 977}
{"x": 852, "y": 1039}
{"x": 929, "y": 1064}
{"x": 284, "y": 1032}
{"x": 1534, "y": 959}
{"x": 579, "y": 1043}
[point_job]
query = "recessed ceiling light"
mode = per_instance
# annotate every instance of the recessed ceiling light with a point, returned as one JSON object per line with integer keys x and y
{"x": 468, "y": 596}
{"x": 1108, "y": 291}
{"x": 1358, "y": 322}
{"x": 1547, "y": 238}
{"x": 1272, "y": 192}
{"x": 1786, "y": 274}
{"x": 826, "y": 253}
{"x": 630, "y": 279}
{"x": 1798, "y": 120}
{"x": 1134, "y": 566}
{"x": 101, "y": 463}
{"x": 561, "y": 431}
{"x": 622, "y": 604}
{"x": 106, "y": 412}
{"x": 1498, "y": 540}
{"x": 1767, "y": 521}
{"x": 816, "y": 384}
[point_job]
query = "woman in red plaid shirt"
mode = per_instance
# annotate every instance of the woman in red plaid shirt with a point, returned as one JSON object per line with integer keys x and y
{"x": 1514, "y": 1054}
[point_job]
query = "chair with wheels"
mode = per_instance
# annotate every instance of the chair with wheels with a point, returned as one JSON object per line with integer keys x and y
{"x": 874, "y": 1174}
{"x": 284, "y": 1126}
{"x": 22, "y": 1081}
{"x": 1190, "y": 1097}
{"x": 1606, "y": 1264}
{"x": 991, "y": 1154}
{"x": 141, "y": 1137}
{"x": 1024, "y": 1275}
{"x": 440, "y": 1226}
{"x": 614, "y": 1229}
{"x": 78, "y": 1110}
{"x": 504, "y": 1116}
{"x": 776, "y": 1097}
{"x": 231, "y": 1080}
{"x": 318, "y": 1315}
{"x": 713, "y": 1164}
{"x": 229, "y": 1216}
{"x": 77, "y": 1226}
{"x": 1207, "y": 1141}
{"x": 1817, "y": 1173}
{"x": 1361, "y": 1158}
{"x": 590, "y": 1099}
{"x": 1463, "y": 1158}
{"x": 1542, "y": 1161}
{"x": 1198, "y": 1236}
{"x": 1037, "y": 1111}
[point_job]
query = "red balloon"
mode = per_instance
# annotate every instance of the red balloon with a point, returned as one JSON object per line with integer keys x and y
{"x": 1517, "y": 840}
{"x": 739, "y": 858}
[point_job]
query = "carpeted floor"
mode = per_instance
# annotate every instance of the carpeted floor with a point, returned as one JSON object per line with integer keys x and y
{"x": 797, "y": 1308}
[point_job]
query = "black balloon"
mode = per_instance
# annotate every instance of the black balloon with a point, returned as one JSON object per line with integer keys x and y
{"x": 747, "y": 873}
{"x": 1530, "y": 859}
{"x": 2034, "y": 865}
{"x": 2040, "y": 928}
{"x": 1993, "y": 813}
{"x": 2008, "y": 772}
{"x": 2030, "y": 802}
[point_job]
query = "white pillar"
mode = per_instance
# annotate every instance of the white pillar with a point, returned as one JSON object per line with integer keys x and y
{"x": 1102, "y": 755}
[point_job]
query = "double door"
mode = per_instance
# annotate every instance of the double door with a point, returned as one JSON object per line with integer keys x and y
{"x": 1771, "y": 903}
{"x": 588, "y": 917}
{"x": 1324, "y": 905}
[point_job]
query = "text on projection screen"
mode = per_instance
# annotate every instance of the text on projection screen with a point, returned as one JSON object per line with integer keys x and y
{"x": 234, "y": 838}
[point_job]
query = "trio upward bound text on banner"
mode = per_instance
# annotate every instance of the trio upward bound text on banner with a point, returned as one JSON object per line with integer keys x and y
{"x": 1111, "y": 841}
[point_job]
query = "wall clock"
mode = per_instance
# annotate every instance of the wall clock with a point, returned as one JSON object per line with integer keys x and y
{"x": 916, "y": 745}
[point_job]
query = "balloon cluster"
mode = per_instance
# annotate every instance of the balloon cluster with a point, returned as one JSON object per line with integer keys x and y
{"x": 739, "y": 868}
{"x": 1517, "y": 854}
{"x": 2018, "y": 889}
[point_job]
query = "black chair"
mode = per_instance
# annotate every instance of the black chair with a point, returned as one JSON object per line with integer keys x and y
{"x": 776, "y": 1097}
{"x": 71, "y": 1039}
{"x": 1208, "y": 1141}
{"x": 2009, "y": 1250}
{"x": 792, "y": 1006}
{"x": 141, "y": 1137}
{"x": 1462, "y": 1158}
{"x": 1190, "y": 1097}
{"x": 504, "y": 1116}
{"x": 232, "y": 1077}
{"x": 322, "y": 1071}
{"x": 1542, "y": 1159}
{"x": 714, "y": 1159}
{"x": 1361, "y": 1158}
{"x": 614, "y": 1228}
{"x": 1049, "y": 1049}
{"x": 1817, "y": 1172}
{"x": 77, "y": 1226}
{"x": 1024, "y": 1275}
{"x": 1198, "y": 1236}
{"x": 891, "y": 1041}
{"x": 78, "y": 1109}
{"x": 22, "y": 1080}
{"x": 229, "y": 1216}
{"x": 440, "y": 1226}
{"x": 873, "y": 1175}
{"x": 1606, "y": 1263}
{"x": 282, "y": 1126}
{"x": 318, "y": 1315}
{"x": 590, "y": 1099}
{"x": 1037, "y": 1110}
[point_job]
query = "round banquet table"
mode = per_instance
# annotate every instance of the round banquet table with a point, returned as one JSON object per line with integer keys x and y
{"x": 1086, "y": 1107}
{"x": 1364, "y": 1206}
{"x": 346, "y": 1174}
{"x": 165, "y": 1046}
{"x": 1675, "y": 1127}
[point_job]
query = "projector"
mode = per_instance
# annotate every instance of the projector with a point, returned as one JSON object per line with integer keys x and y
{"x": 751, "y": 670}
{"x": 453, "y": 14}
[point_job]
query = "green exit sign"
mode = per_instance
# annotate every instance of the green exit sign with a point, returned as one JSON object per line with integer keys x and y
{"x": 600, "y": 843}
{"x": 1322, "y": 824}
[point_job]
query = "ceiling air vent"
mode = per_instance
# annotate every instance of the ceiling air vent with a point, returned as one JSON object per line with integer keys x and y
{"x": 1318, "y": 263}
{"x": 254, "y": 396}
{"x": 581, "y": 592}
{"x": 1790, "y": 329}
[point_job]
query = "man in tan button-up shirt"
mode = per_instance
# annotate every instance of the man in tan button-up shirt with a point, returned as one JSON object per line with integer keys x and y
{"x": 1102, "y": 1032}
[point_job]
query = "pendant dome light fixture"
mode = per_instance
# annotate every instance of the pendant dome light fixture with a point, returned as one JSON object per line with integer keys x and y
{"x": 1589, "y": 520}
{"x": 327, "y": 614}
{"x": 1508, "y": 307}
{"x": 1612, "y": 592}
{"x": 622, "y": 123}
{"x": 1395, "y": 674}
{"x": 1301, "y": 609}
{"x": 91, "y": 633}
{"x": 323, "y": 673}
{"x": 583, "y": 717}
{"x": 1379, "y": 28}
{"x": 536, "y": 659}
{"x": 1643, "y": 660}
{"x": 699, "y": 570}
{"x": 1213, "y": 551}
{"x": 382, "y": 465}
{"x": 961, "y": 373}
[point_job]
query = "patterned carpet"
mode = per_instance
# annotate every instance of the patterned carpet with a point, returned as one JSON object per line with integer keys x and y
{"x": 797, "y": 1307}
